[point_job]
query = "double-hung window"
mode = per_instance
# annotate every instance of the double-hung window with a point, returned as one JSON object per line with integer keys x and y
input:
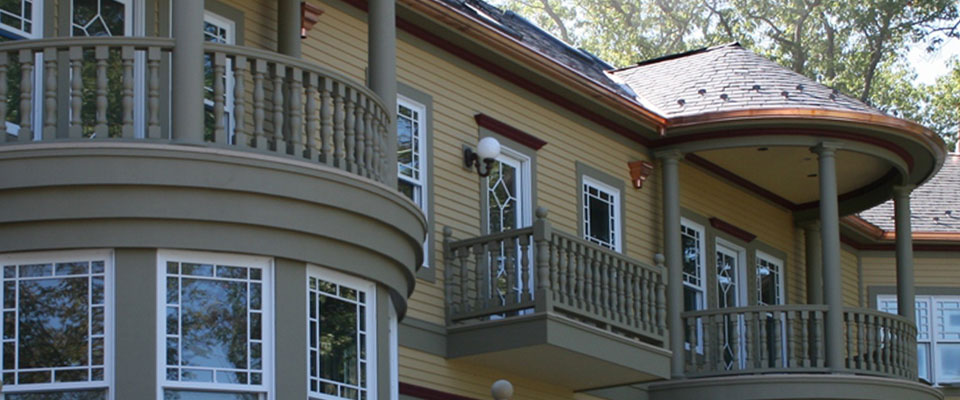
{"x": 938, "y": 335}
{"x": 57, "y": 325}
{"x": 341, "y": 315}
{"x": 694, "y": 274}
{"x": 215, "y": 325}
{"x": 218, "y": 29}
{"x": 601, "y": 208}
{"x": 411, "y": 151}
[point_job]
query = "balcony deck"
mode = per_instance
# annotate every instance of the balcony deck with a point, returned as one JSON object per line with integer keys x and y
{"x": 95, "y": 89}
{"x": 536, "y": 299}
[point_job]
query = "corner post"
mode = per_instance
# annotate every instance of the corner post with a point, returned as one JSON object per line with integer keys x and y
{"x": 187, "y": 71}
{"x": 830, "y": 238}
{"x": 288, "y": 28}
{"x": 673, "y": 250}
{"x": 905, "y": 288}
{"x": 382, "y": 39}
{"x": 542, "y": 233}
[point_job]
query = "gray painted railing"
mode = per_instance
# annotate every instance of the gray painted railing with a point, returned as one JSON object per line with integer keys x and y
{"x": 537, "y": 269}
{"x": 118, "y": 88}
{"x": 791, "y": 339}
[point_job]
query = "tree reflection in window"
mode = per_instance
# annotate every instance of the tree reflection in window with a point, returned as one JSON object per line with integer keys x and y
{"x": 54, "y": 323}
{"x": 338, "y": 340}
{"x": 214, "y": 323}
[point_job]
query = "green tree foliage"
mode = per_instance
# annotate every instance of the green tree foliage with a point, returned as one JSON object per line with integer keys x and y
{"x": 858, "y": 47}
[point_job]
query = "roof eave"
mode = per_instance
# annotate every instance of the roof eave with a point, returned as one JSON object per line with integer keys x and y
{"x": 487, "y": 35}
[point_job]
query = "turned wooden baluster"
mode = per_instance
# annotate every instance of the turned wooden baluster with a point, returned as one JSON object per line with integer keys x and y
{"x": 153, "y": 91}
{"x": 296, "y": 113}
{"x": 26, "y": 96}
{"x": 339, "y": 115}
{"x": 313, "y": 117}
{"x": 49, "y": 131}
{"x": 349, "y": 127}
{"x": 126, "y": 129}
{"x": 280, "y": 143}
{"x": 326, "y": 120}
{"x": 101, "y": 54}
{"x": 359, "y": 148}
{"x": 259, "y": 104}
{"x": 219, "y": 91}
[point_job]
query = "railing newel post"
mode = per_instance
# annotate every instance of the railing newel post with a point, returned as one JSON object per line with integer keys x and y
{"x": 448, "y": 274}
{"x": 661, "y": 294}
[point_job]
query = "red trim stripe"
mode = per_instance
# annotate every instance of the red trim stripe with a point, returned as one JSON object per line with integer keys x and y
{"x": 428, "y": 394}
{"x": 509, "y": 132}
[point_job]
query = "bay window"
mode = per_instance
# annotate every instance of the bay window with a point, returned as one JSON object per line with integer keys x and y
{"x": 57, "y": 325}
{"x": 341, "y": 337}
{"x": 215, "y": 326}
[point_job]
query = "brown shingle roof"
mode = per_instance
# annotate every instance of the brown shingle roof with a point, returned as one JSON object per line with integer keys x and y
{"x": 935, "y": 206}
{"x": 727, "y": 78}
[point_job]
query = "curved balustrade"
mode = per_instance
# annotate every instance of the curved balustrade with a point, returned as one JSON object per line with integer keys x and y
{"x": 537, "y": 269}
{"x": 791, "y": 339}
{"x": 118, "y": 88}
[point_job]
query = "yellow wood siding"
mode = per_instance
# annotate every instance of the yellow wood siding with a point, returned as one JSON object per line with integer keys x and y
{"x": 469, "y": 380}
{"x": 930, "y": 270}
{"x": 260, "y": 22}
{"x": 459, "y": 92}
{"x": 707, "y": 195}
{"x": 848, "y": 264}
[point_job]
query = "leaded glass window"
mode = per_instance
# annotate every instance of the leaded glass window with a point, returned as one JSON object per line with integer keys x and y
{"x": 342, "y": 336}
{"x": 215, "y": 323}
{"x": 601, "y": 213}
{"x": 769, "y": 280}
{"x": 101, "y": 17}
{"x": 56, "y": 325}
{"x": 694, "y": 287}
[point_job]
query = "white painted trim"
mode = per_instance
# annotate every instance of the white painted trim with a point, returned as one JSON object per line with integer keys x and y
{"x": 267, "y": 388}
{"x": 109, "y": 322}
{"x": 727, "y": 247}
{"x": 616, "y": 195}
{"x": 424, "y": 166}
{"x": 761, "y": 255}
{"x": 370, "y": 290}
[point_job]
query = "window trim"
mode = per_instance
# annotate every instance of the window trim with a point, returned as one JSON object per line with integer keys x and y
{"x": 583, "y": 171}
{"x": 617, "y": 227}
{"x": 410, "y": 94}
{"x": 703, "y": 262}
{"x": 266, "y": 390}
{"x": 769, "y": 258}
{"x": 929, "y": 295}
{"x": 109, "y": 331}
{"x": 370, "y": 290}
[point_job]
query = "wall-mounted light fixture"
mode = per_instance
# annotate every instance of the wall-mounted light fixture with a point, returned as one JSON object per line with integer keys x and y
{"x": 309, "y": 15}
{"x": 639, "y": 171}
{"x": 487, "y": 150}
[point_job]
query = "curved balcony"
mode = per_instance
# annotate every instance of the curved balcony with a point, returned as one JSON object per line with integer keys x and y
{"x": 118, "y": 89}
{"x": 550, "y": 305}
{"x": 790, "y": 339}
{"x": 292, "y": 160}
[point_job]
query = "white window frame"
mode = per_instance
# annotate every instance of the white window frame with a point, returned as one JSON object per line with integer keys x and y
{"x": 370, "y": 291}
{"x": 775, "y": 261}
{"x": 266, "y": 389}
{"x": 230, "y": 26}
{"x": 108, "y": 322}
{"x": 420, "y": 185}
{"x": 933, "y": 331}
{"x": 702, "y": 267}
{"x": 36, "y": 19}
{"x": 616, "y": 231}
{"x": 524, "y": 194}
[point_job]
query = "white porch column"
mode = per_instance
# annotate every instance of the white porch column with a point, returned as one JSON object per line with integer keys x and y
{"x": 905, "y": 288}
{"x": 830, "y": 239}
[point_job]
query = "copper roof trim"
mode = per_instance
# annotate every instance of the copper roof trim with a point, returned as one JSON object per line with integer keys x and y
{"x": 880, "y": 235}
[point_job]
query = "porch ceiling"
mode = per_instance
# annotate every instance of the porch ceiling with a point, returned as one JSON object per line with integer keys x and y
{"x": 790, "y": 172}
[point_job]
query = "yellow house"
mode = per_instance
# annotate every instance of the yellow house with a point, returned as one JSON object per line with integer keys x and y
{"x": 227, "y": 199}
